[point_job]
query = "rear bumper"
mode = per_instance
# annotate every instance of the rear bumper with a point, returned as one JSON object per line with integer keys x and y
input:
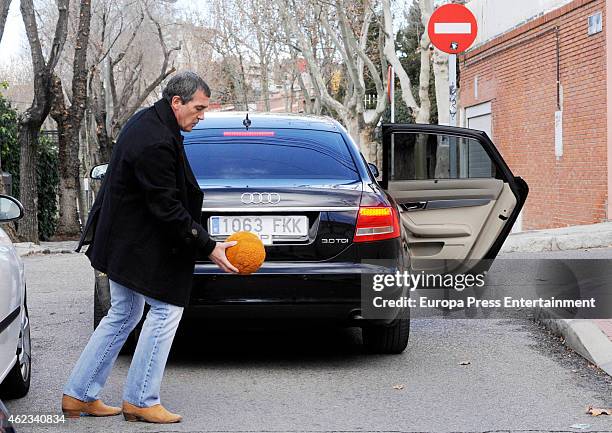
{"x": 281, "y": 290}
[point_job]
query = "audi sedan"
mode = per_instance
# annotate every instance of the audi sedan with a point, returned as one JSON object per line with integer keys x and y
{"x": 15, "y": 348}
{"x": 327, "y": 220}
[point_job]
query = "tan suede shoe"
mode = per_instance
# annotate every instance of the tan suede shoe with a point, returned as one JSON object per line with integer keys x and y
{"x": 156, "y": 413}
{"x": 73, "y": 408}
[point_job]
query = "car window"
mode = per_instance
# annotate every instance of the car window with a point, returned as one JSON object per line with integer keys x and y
{"x": 437, "y": 156}
{"x": 287, "y": 154}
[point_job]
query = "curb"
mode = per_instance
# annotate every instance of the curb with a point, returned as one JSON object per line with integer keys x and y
{"x": 25, "y": 249}
{"x": 581, "y": 335}
{"x": 567, "y": 238}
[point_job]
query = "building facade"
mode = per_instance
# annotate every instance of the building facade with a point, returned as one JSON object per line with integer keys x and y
{"x": 537, "y": 82}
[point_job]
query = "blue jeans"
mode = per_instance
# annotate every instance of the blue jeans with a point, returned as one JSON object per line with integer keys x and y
{"x": 149, "y": 361}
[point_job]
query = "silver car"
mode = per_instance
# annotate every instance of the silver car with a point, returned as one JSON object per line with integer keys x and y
{"x": 15, "y": 347}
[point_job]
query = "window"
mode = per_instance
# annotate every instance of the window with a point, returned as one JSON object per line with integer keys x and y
{"x": 431, "y": 156}
{"x": 288, "y": 154}
{"x": 595, "y": 23}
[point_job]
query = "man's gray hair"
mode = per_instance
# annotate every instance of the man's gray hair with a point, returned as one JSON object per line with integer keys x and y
{"x": 185, "y": 84}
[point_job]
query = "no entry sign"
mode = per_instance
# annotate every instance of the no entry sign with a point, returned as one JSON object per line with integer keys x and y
{"x": 452, "y": 28}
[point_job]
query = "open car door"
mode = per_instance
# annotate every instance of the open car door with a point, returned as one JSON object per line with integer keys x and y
{"x": 458, "y": 199}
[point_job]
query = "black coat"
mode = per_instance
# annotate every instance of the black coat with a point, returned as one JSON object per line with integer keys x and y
{"x": 144, "y": 226}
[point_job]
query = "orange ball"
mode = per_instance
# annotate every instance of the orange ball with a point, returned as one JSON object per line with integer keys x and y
{"x": 248, "y": 254}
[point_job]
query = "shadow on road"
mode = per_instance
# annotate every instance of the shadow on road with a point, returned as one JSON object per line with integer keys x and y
{"x": 223, "y": 343}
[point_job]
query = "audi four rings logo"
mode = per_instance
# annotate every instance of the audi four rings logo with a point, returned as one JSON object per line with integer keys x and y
{"x": 260, "y": 198}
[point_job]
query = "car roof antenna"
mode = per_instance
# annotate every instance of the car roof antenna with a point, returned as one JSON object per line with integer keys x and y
{"x": 247, "y": 122}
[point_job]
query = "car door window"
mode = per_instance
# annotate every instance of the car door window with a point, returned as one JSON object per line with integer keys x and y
{"x": 421, "y": 156}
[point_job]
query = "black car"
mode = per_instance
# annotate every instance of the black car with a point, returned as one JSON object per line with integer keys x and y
{"x": 302, "y": 184}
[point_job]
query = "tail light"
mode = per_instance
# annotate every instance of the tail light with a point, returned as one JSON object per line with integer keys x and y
{"x": 376, "y": 223}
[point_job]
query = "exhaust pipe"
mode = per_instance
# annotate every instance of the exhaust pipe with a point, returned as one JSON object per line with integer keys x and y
{"x": 355, "y": 316}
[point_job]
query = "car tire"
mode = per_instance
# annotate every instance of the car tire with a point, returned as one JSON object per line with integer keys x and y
{"x": 102, "y": 305}
{"x": 391, "y": 339}
{"x": 17, "y": 383}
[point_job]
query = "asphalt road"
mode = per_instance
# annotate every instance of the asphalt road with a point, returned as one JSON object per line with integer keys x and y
{"x": 519, "y": 377}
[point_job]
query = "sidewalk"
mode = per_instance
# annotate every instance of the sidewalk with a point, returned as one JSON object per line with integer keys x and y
{"x": 567, "y": 238}
{"x": 30, "y": 248}
{"x": 590, "y": 338}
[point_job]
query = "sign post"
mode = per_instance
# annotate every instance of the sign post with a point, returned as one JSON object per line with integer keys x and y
{"x": 452, "y": 28}
{"x": 452, "y": 89}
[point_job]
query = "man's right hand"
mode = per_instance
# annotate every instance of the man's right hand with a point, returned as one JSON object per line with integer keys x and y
{"x": 218, "y": 256}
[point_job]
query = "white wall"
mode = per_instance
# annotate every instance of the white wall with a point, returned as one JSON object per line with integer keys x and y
{"x": 495, "y": 17}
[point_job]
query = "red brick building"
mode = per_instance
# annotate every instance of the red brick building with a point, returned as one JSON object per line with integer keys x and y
{"x": 540, "y": 90}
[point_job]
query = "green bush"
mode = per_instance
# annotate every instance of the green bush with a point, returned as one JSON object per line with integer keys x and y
{"x": 9, "y": 149}
{"x": 48, "y": 187}
{"x": 47, "y": 170}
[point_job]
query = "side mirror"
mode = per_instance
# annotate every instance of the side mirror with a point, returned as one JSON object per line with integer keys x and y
{"x": 98, "y": 171}
{"x": 10, "y": 209}
{"x": 374, "y": 169}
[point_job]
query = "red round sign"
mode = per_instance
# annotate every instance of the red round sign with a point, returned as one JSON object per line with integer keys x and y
{"x": 452, "y": 28}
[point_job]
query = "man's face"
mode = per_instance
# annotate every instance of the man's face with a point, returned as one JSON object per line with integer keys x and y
{"x": 188, "y": 115}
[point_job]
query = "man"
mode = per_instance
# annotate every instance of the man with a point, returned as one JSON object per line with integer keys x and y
{"x": 144, "y": 229}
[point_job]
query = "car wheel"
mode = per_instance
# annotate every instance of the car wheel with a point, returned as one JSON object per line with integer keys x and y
{"x": 387, "y": 339}
{"x": 102, "y": 305}
{"x": 17, "y": 383}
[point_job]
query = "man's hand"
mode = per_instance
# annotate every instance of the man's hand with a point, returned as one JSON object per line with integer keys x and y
{"x": 218, "y": 256}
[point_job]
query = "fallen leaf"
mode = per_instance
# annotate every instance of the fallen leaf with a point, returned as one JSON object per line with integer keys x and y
{"x": 596, "y": 411}
{"x": 465, "y": 363}
{"x": 399, "y": 387}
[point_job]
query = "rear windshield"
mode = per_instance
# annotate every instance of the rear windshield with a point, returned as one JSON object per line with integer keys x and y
{"x": 288, "y": 154}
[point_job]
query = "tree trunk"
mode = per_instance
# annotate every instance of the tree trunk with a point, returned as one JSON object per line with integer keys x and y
{"x": 265, "y": 83}
{"x": 424, "y": 112}
{"x": 286, "y": 94}
{"x": 68, "y": 223}
{"x": 4, "y": 10}
{"x": 370, "y": 148}
{"x": 352, "y": 127}
{"x": 28, "y": 188}
{"x": 440, "y": 67}
{"x": 33, "y": 118}
{"x": 84, "y": 204}
{"x": 308, "y": 109}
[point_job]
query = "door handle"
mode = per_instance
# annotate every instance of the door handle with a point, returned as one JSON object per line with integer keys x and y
{"x": 414, "y": 205}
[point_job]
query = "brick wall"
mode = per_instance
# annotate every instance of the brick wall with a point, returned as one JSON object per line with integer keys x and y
{"x": 517, "y": 73}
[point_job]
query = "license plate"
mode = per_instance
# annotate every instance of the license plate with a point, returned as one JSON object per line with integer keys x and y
{"x": 265, "y": 226}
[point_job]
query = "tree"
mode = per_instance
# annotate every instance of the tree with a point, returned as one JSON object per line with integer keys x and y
{"x": 68, "y": 127}
{"x": 347, "y": 26}
{"x": 125, "y": 70}
{"x": 33, "y": 118}
{"x": 421, "y": 109}
{"x": 46, "y": 171}
{"x": 229, "y": 38}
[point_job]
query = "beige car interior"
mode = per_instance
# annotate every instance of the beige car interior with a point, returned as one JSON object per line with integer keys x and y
{"x": 451, "y": 220}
